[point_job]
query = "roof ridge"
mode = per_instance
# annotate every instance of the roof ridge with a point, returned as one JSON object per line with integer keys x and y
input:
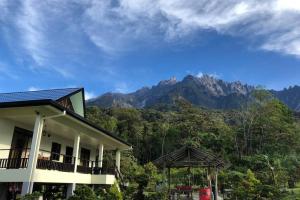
{"x": 77, "y": 88}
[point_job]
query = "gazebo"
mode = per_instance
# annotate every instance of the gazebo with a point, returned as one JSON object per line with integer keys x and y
{"x": 190, "y": 157}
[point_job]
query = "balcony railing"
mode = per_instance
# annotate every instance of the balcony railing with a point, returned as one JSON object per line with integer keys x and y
{"x": 13, "y": 158}
{"x": 64, "y": 163}
{"x": 92, "y": 167}
{"x": 13, "y": 163}
{"x": 18, "y": 158}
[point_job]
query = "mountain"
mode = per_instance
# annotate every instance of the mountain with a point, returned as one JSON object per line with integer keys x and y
{"x": 290, "y": 96}
{"x": 205, "y": 91}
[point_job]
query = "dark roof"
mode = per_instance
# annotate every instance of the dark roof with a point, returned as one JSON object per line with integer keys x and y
{"x": 188, "y": 156}
{"x": 53, "y": 94}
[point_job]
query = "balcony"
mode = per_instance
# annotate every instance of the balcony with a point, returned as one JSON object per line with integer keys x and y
{"x": 18, "y": 159}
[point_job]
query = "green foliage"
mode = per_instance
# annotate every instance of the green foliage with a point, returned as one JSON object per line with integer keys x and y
{"x": 114, "y": 193}
{"x": 86, "y": 193}
{"x": 83, "y": 193}
{"x": 33, "y": 196}
{"x": 261, "y": 141}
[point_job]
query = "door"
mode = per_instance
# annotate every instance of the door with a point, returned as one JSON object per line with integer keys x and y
{"x": 19, "y": 148}
{"x": 55, "y": 151}
{"x": 85, "y": 157}
{"x": 69, "y": 155}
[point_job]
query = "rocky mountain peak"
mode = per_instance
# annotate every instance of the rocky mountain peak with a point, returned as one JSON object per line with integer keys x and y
{"x": 171, "y": 81}
{"x": 206, "y": 91}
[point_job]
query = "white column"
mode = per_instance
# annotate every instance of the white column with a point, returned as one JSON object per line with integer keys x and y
{"x": 34, "y": 151}
{"x": 100, "y": 153}
{"x": 72, "y": 186}
{"x": 118, "y": 159}
{"x": 76, "y": 151}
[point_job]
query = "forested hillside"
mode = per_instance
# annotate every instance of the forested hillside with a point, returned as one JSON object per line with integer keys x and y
{"x": 261, "y": 141}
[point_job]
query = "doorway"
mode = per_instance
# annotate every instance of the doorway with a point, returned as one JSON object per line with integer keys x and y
{"x": 19, "y": 150}
{"x": 69, "y": 155}
{"x": 85, "y": 157}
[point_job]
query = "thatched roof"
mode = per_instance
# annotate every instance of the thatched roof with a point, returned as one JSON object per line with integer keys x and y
{"x": 189, "y": 157}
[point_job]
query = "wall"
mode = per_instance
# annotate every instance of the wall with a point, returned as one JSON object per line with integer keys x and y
{"x": 6, "y": 133}
{"x": 51, "y": 176}
{"x": 77, "y": 103}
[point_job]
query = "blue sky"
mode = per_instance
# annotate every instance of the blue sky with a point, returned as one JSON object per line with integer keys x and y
{"x": 122, "y": 45}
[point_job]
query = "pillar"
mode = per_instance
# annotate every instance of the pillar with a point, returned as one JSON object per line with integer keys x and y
{"x": 118, "y": 159}
{"x": 34, "y": 151}
{"x": 100, "y": 153}
{"x": 72, "y": 186}
{"x": 76, "y": 151}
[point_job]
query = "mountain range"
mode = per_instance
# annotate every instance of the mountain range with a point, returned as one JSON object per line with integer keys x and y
{"x": 205, "y": 91}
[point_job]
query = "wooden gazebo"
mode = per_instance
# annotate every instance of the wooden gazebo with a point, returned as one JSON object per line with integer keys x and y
{"x": 188, "y": 156}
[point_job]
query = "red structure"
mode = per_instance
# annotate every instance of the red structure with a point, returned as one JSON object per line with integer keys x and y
{"x": 205, "y": 194}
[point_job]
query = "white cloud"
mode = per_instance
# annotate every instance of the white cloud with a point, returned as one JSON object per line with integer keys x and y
{"x": 214, "y": 75}
{"x": 282, "y": 5}
{"x": 89, "y": 95}
{"x": 33, "y": 88}
{"x": 6, "y": 71}
{"x": 121, "y": 87}
{"x": 273, "y": 24}
{"x": 52, "y": 32}
{"x": 199, "y": 74}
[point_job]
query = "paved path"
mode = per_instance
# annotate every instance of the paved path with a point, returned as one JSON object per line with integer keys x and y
{"x": 196, "y": 196}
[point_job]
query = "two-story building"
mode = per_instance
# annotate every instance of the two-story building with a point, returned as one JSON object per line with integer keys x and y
{"x": 46, "y": 144}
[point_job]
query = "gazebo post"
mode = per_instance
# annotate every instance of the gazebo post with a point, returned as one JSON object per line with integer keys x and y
{"x": 216, "y": 185}
{"x": 209, "y": 177}
{"x": 164, "y": 173}
{"x": 169, "y": 178}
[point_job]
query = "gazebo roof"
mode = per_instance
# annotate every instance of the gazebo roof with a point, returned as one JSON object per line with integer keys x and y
{"x": 188, "y": 156}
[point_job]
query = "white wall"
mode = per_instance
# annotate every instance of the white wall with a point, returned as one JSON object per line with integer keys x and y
{"x": 6, "y": 133}
{"x": 51, "y": 176}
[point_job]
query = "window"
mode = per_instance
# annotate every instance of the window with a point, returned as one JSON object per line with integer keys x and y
{"x": 55, "y": 151}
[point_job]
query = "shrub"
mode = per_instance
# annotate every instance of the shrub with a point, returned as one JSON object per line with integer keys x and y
{"x": 33, "y": 196}
{"x": 83, "y": 193}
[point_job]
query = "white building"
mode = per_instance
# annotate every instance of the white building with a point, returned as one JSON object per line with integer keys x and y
{"x": 47, "y": 144}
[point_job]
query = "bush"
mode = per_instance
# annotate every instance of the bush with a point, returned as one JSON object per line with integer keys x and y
{"x": 33, "y": 196}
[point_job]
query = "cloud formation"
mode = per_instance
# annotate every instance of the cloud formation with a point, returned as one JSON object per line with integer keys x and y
{"x": 89, "y": 95}
{"x": 50, "y": 32}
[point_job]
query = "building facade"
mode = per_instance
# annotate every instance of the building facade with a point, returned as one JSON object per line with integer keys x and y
{"x": 46, "y": 144}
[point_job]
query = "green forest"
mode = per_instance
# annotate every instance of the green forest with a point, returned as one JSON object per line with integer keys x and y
{"x": 260, "y": 142}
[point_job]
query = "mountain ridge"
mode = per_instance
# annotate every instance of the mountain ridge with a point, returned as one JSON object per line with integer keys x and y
{"x": 205, "y": 91}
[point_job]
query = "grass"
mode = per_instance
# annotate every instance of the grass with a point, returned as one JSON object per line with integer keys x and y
{"x": 294, "y": 193}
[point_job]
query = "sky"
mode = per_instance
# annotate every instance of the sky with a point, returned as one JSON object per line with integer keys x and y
{"x": 123, "y": 45}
